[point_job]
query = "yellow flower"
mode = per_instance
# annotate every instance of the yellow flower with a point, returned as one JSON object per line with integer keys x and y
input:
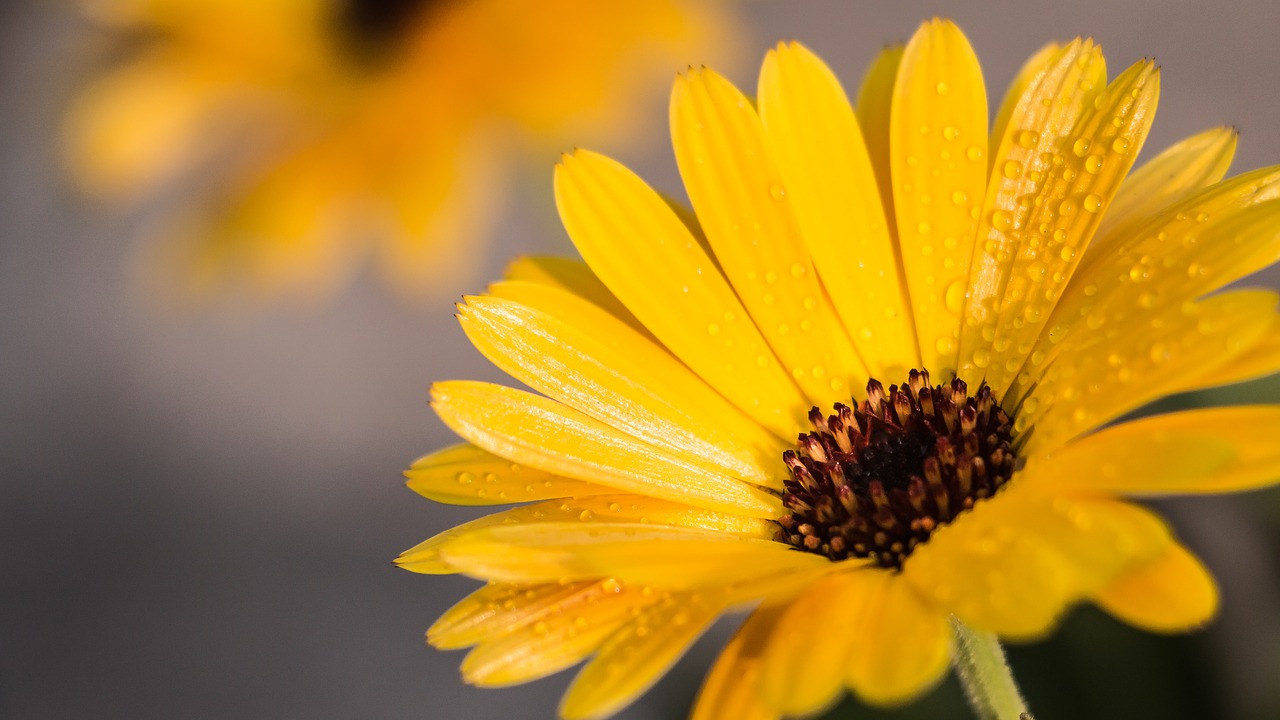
{"x": 836, "y": 252}
{"x": 334, "y": 125}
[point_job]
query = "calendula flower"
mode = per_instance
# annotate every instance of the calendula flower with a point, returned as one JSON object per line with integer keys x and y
{"x": 334, "y": 126}
{"x": 869, "y": 389}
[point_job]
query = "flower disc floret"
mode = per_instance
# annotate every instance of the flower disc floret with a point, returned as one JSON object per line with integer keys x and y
{"x": 876, "y": 479}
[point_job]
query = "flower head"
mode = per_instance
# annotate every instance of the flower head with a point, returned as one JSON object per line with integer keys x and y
{"x": 867, "y": 388}
{"x": 333, "y": 124}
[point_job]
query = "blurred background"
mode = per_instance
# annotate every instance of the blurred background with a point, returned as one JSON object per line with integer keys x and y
{"x": 216, "y": 363}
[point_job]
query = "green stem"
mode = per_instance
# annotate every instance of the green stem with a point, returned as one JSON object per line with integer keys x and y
{"x": 985, "y": 675}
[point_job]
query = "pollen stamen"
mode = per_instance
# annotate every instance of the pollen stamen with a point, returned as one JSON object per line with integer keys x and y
{"x": 876, "y": 479}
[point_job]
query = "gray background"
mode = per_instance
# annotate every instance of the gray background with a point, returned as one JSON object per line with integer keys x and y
{"x": 198, "y": 512}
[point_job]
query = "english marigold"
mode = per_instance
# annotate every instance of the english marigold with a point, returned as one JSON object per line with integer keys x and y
{"x": 335, "y": 128}
{"x": 864, "y": 391}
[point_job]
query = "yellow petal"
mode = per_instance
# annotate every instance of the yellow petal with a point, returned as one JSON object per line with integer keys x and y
{"x": 501, "y": 608}
{"x": 781, "y": 587}
{"x": 136, "y": 126}
{"x": 648, "y": 258}
{"x": 808, "y": 652}
{"x": 594, "y": 363}
{"x": 571, "y": 276}
{"x": 902, "y": 643}
{"x": 663, "y": 556}
{"x": 1195, "y": 247}
{"x": 741, "y": 201}
{"x": 425, "y": 557}
{"x": 557, "y": 641}
{"x": 1014, "y": 563}
{"x": 1035, "y": 233}
{"x": 1124, "y": 365}
{"x": 1040, "y": 124}
{"x": 635, "y": 657}
{"x": 1197, "y": 451}
{"x": 937, "y": 155}
{"x": 544, "y": 434}
{"x": 1174, "y": 593}
{"x": 1184, "y": 168}
{"x": 466, "y": 475}
{"x": 875, "y": 103}
{"x": 813, "y": 135}
{"x": 1260, "y": 360}
{"x": 1040, "y": 62}
{"x": 732, "y": 688}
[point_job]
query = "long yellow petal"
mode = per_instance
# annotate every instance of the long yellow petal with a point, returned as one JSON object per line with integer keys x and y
{"x": 1060, "y": 180}
{"x": 1125, "y": 365}
{"x": 594, "y": 363}
{"x": 134, "y": 127}
{"x": 466, "y": 475}
{"x": 663, "y": 556}
{"x": 1182, "y": 169}
{"x": 808, "y": 651}
{"x": 875, "y": 104}
{"x": 1260, "y": 360}
{"x": 1174, "y": 593}
{"x": 649, "y": 259}
{"x": 1040, "y": 123}
{"x": 1198, "y": 451}
{"x": 571, "y": 276}
{"x": 732, "y": 688}
{"x": 635, "y": 657}
{"x": 544, "y": 434}
{"x": 938, "y": 162}
{"x": 555, "y": 642}
{"x": 502, "y": 608}
{"x": 1014, "y": 563}
{"x": 1195, "y": 247}
{"x": 813, "y": 135}
{"x": 742, "y": 204}
{"x": 425, "y": 557}
{"x": 1040, "y": 62}
{"x": 905, "y": 642}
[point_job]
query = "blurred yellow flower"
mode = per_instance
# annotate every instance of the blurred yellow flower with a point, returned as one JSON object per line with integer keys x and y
{"x": 1048, "y": 289}
{"x": 331, "y": 126}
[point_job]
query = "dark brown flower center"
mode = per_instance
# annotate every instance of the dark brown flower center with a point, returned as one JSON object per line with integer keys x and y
{"x": 876, "y": 479}
{"x": 374, "y": 28}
